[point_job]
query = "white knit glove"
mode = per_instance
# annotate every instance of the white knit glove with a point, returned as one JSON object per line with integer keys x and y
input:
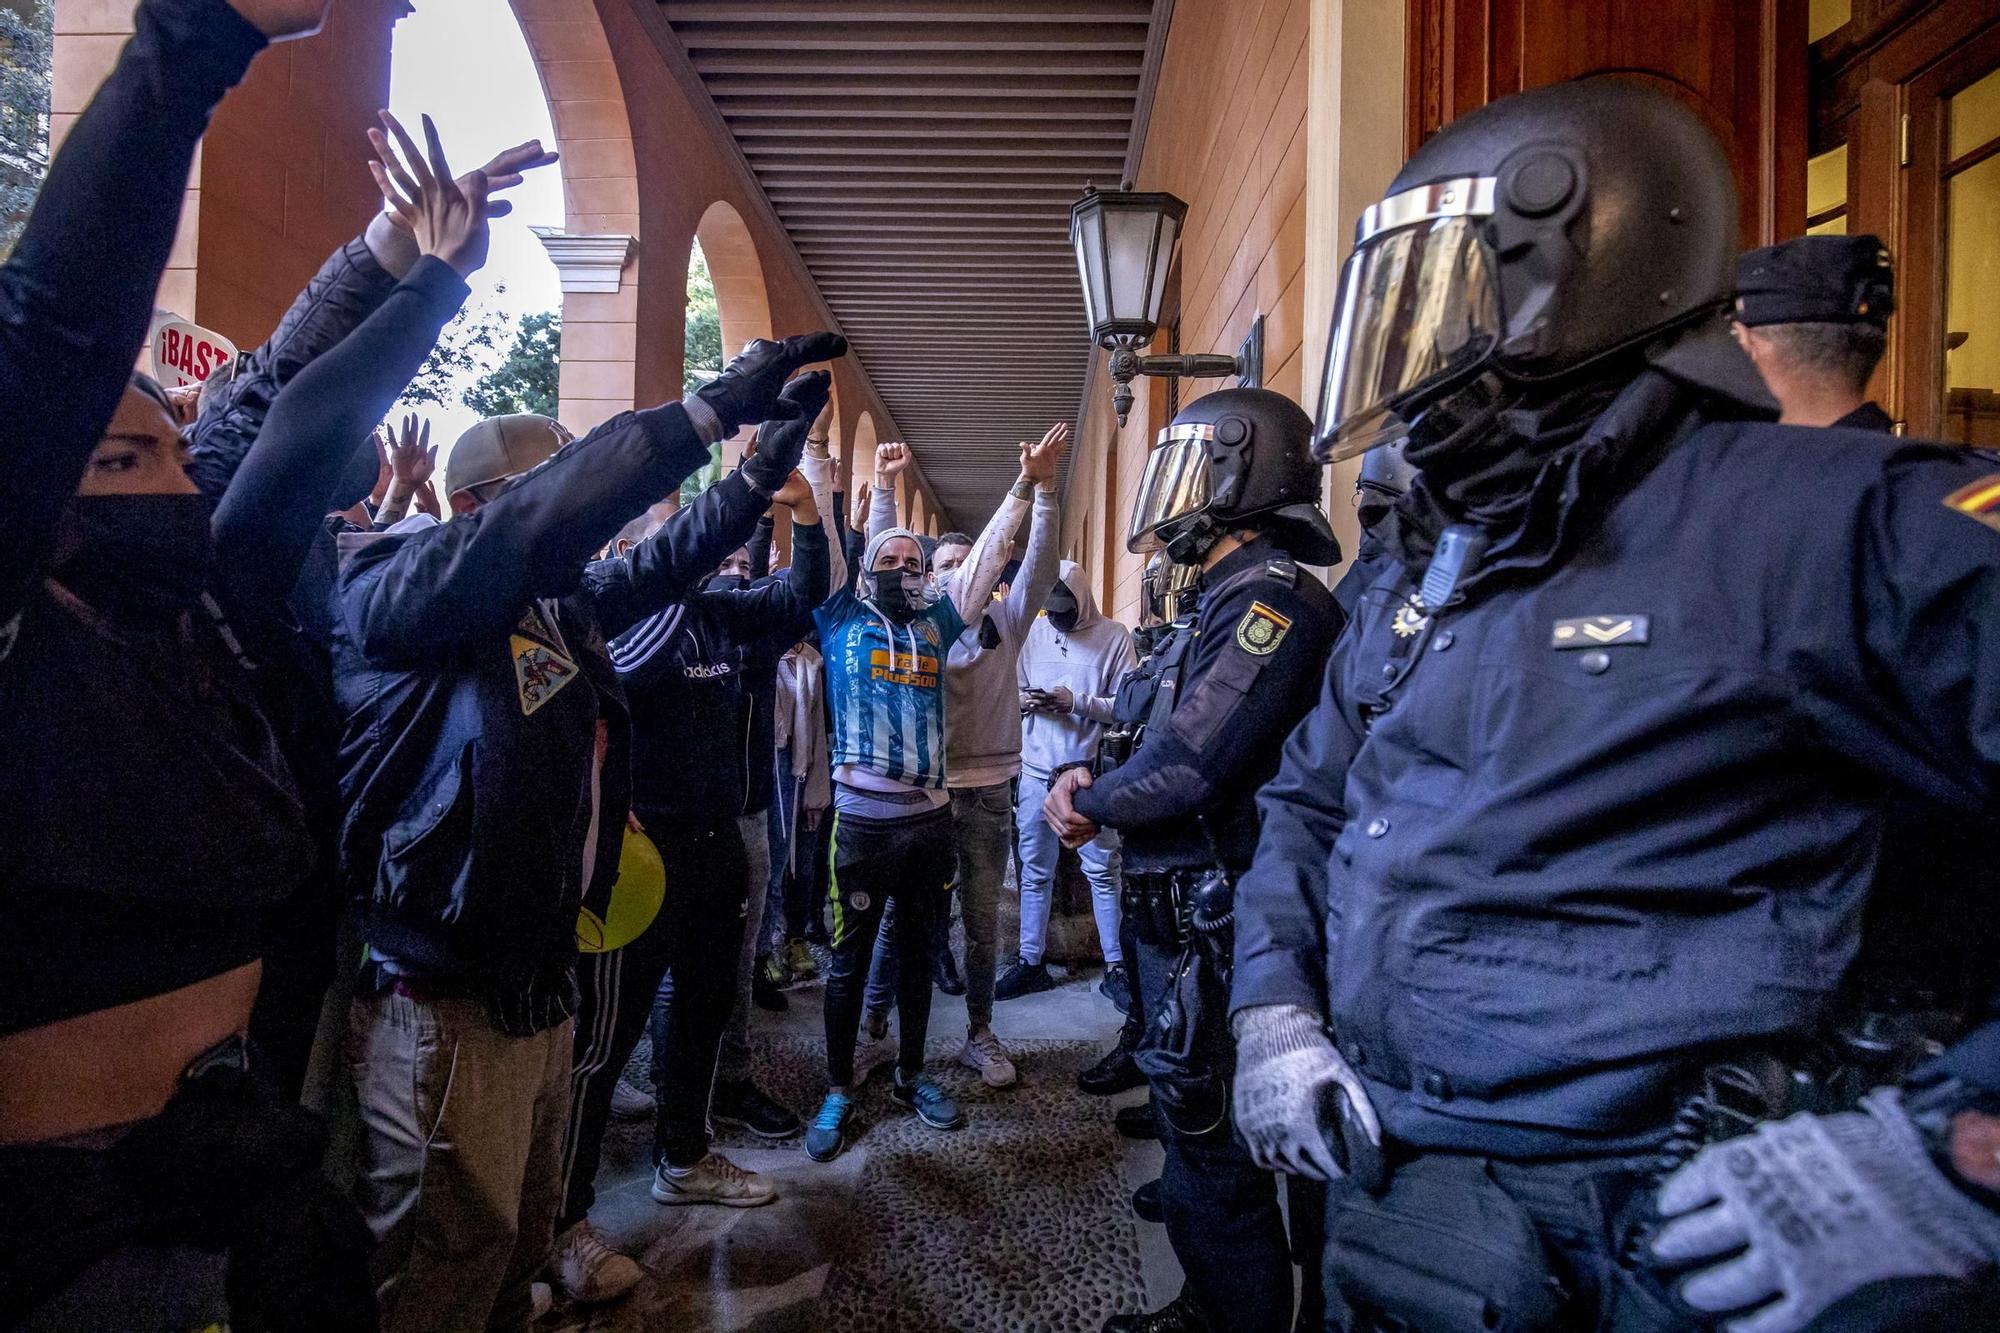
{"x": 1286, "y": 1068}
{"x": 1820, "y": 1206}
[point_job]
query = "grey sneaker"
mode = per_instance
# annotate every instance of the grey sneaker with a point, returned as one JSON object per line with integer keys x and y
{"x": 629, "y": 1101}
{"x": 714, "y": 1179}
{"x": 984, "y": 1053}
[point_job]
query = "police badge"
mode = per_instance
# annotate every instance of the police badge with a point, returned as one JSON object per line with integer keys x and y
{"x": 1261, "y": 630}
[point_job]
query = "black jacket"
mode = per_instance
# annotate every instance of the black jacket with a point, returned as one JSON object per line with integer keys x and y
{"x": 145, "y": 810}
{"x": 472, "y": 673}
{"x": 697, "y": 761}
{"x": 1541, "y": 855}
{"x": 1252, "y": 663}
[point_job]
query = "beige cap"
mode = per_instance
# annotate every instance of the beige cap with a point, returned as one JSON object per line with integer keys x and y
{"x": 502, "y": 447}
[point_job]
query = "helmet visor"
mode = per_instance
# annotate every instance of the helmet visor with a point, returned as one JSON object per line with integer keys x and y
{"x": 1175, "y": 485}
{"x": 1419, "y": 311}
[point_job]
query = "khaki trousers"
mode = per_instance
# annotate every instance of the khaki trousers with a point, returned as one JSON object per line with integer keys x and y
{"x": 460, "y": 1172}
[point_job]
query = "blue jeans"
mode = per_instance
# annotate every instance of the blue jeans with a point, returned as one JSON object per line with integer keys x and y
{"x": 982, "y": 827}
{"x": 1039, "y": 849}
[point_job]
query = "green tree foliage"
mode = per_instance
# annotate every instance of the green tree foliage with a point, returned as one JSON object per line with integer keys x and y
{"x": 27, "y": 44}
{"x": 470, "y": 347}
{"x": 525, "y": 380}
{"x": 703, "y": 359}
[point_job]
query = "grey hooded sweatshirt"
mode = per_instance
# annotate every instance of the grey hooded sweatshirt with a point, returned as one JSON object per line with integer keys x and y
{"x": 1087, "y": 661}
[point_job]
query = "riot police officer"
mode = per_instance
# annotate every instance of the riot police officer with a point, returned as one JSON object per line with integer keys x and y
{"x": 1565, "y": 875}
{"x": 1168, "y": 595}
{"x": 1229, "y": 487}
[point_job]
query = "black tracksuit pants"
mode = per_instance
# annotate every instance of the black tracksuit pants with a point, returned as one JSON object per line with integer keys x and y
{"x": 681, "y": 976}
{"x": 874, "y": 860}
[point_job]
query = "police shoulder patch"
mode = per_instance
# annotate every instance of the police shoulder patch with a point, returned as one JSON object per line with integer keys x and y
{"x": 1979, "y": 502}
{"x": 1261, "y": 630}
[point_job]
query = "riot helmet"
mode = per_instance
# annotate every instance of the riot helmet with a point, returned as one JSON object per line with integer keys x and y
{"x": 1525, "y": 243}
{"x": 1386, "y": 476}
{"x": 1236, "y": 458}
{"x": 1167, "y": 591}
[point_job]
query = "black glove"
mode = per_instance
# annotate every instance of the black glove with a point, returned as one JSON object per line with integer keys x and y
{"x": 781, "y": 440}
{"x": 747, "y": 390}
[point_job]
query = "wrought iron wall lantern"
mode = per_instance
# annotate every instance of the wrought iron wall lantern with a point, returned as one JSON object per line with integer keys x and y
{"x": 1124, "y": 243}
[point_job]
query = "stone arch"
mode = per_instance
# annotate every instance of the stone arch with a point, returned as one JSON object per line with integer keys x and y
{"x": 861, "y": 453}
{"x": 742, "y": 301}
{"x": 597, "y": 248}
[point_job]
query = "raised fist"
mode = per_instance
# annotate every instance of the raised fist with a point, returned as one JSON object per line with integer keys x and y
{"x": 891, "y": 458}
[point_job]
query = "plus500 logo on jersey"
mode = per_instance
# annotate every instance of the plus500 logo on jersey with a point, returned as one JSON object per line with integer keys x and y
{"x": 896, "y": 669}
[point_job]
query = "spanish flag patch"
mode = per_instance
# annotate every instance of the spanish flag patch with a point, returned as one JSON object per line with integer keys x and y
{"x": 1261, "y": 630}
{"x": 1979, "y": 501}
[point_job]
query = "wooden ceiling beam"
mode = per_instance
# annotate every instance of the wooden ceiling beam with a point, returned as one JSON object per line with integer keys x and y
{"x": 908, "y": 11}
{"x": 949, "y": 34}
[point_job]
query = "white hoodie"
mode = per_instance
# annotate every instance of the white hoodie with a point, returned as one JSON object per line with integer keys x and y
{"x": 1088, "y": 661}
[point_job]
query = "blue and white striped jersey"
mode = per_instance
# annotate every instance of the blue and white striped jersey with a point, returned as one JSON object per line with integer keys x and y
{"x": 885, "y": 683}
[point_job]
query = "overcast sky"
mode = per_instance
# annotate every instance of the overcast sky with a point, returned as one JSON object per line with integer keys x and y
{"x": 466, "y": 64}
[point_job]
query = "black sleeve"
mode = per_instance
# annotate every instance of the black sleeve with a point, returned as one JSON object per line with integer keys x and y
{"x": 760, "y": 547}
{"x": 685, "y": 550}
{"x": 348, "y": 288}
{"x": 1281, "y": 901}
{"x": 1232, "y": 708}
{"x": 280, "y": 496}
{"x": 780, "y": 610}
{"x": 405, "y": 596}
{"x": 76, "y": 296}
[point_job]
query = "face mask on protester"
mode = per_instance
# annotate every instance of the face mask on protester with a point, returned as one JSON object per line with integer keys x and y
{"x": 135, "y": 556}
{"x": 1062, "y": 608}
{"x": 897, "y": 594}
{"x": 725, "y": 583}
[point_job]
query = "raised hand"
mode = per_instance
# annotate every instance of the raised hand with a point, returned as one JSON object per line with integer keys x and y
{"x": 506, "y": 170}
{"x": 891, "y": 457}
{"x": 750, "y": 388}
{"x": 282, "y": 20}
{"x": 794, "y": 492}
{"x": 781, "y": 441}
{"x": 857, "y": 521}
{"x": 412, "y": 456}
{"x": 446, "y": 216}
{"x": 1040, "y": 461}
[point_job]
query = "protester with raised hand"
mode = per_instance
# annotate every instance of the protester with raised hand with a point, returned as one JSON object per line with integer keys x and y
{"x": 486, "y": 776}
{"x": 150, "y": 1178}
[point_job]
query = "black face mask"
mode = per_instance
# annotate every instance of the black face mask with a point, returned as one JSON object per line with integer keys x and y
{"x": 896, "y": 594}
{"x": 1062, "y": 608}
{"x": 726, "y": 583}
{"x": 138, "y": 557}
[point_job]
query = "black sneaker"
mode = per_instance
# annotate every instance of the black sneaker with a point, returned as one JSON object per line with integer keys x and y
{"x": 1146, "y": 1203}
{"x": 1115, "y": 1073}
{"x": 1022, "y": 979}
{"x": 946, "y": 973}
{"x": 766, "y": 995}
{"x": 1117, "y": 987}
{"x": 1180, "y": 1315}
{"x": 1136, "y": 1122}
{"x": 744, "y": 1105}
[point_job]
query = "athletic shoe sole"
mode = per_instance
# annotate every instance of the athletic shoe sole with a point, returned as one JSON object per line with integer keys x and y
{"x": 1013, "y": 1073}
{"x": 674, "y": 1200}
{"x": 838, "y": 1145}
{"x": 745, "y": 1125}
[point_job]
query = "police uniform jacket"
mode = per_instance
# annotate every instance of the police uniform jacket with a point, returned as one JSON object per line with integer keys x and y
{"x": 1541, "y": 853}
{"x": 1249, "y": 672}
{"x": 471, "y": 671}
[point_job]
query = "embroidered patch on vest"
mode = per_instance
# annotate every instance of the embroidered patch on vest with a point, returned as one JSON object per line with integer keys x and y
{"x": 1600, "y": 631}
{"x": 1261, "y": 630}
{"x": 1979, "y": 502}
{"x": 539, "y": 671}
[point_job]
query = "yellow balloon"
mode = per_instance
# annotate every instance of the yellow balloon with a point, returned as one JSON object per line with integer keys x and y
{"x": 635, "y": 899}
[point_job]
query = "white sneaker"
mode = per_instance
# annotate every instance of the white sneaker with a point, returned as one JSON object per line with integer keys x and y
{"x": 869, "y": 1056}
{"x": 714, "y": 1179}
{"x": 629, "y": 1101}
{"x": 589, "y": 1270}
{"x": 983, "y": 1052}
